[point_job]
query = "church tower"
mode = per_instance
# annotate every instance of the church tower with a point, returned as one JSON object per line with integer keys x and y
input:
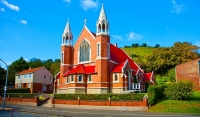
{"x": 103, "y": 51}
{"x": 66, "y": 51}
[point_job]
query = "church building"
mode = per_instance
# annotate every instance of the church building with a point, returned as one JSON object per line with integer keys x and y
{"x": 93, "y": 65}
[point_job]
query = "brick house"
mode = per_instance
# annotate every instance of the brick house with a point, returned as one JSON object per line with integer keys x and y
{"x": 94, "y": 65}
{"x": 37, "y": 79}
{"x": 189, "y": 71}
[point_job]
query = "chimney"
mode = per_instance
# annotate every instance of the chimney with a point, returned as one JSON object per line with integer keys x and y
{"x": 29, "y": 68}
{"x": 115, "y": 44}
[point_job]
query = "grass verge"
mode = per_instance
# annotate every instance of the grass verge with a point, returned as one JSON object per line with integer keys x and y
{"x": 176, "y": 106}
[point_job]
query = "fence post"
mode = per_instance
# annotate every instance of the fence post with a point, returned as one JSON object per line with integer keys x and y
{"x": 78, "y": 100}
{"x": 145, "y": 101}
{"x": 109, "y": 101}
{"x": 52, "y": 102}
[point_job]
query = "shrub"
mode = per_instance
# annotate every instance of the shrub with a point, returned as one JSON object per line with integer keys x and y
{"x": 155, "y": 93}
{"x": 24, "y": 95}
{"x": 103, "y": 97}
{"x": 21, "y": 90}
{"x": 179, "y": 91}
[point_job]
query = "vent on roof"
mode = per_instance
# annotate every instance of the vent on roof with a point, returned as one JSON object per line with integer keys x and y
{"x": 115, "y": 44}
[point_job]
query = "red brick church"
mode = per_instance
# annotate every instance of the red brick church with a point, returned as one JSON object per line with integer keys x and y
{"x": 94, "y": 65}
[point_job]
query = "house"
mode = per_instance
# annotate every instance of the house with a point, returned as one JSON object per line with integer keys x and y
{"x": 94, "y": 65}
{"x": 189, "y": 71}
{"x": 37, "y": 79}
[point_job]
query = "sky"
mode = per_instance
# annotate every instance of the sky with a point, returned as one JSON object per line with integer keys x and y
{"x": 33, "y": 28}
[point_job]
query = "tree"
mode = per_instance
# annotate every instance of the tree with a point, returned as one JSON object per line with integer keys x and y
{"x": 144, "y": 45}
{"x": 165, "y": 58}
{"x": 48, "y": 63}
{"x": 135, "y": 45}
{"x": 2, "y": 76}
{"x": 35, "y": 62}
{"x": 16, "y": 67}
{"x": 157, "y": 46}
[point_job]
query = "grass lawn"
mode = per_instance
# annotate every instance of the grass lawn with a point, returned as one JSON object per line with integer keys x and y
{"x": 142, "y": 52}
{"x": 176, "y": 106}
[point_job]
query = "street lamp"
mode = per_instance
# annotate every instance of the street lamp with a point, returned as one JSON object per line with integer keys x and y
{"x": 5, "y": 88}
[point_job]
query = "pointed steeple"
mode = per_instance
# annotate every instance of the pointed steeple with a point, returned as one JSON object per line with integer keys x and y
{"x": 67, "y": 35}
{"x": 102, "y": 23}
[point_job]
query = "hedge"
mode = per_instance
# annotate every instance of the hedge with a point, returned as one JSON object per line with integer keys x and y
{"x": 155, "y": 93}
{"x": 103, "y": 97}
{"x": 21, "y": 90}
{"x": 24, "y": 95}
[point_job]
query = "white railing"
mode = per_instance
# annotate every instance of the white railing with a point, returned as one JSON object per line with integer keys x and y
{"x": 138, "y": 87}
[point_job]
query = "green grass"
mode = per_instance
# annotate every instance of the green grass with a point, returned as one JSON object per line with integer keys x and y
{"x": 176, "y": 106}
{"x": 142, "y": 52}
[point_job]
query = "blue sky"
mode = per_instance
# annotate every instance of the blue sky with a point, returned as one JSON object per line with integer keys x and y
{"x": 33, "y": 28}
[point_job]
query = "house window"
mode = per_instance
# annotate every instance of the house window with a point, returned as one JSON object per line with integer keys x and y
{"x": 72, "y": 78}
{"x": 80, "y": 78}
{"x": 24, "y": 75}
{"x": 44, "y": 76}
{"x": 89, "y": 78}
{"x": 98, "y": 49}
{"x": 19, "y": 77}
{"x": 62, "y": 57}
{"x": 29, "y": 75}
{"x": 19, "y": 86}
{"x": 84, "y": 52}
{"x": 67, "y": 80}
{"x": 115, "y": 77}
{"x": 50, "y": 79}
{"x": 29, "y": 85}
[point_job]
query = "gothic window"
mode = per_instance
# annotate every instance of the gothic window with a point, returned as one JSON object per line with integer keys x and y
{"x": 80, "y": 78}
{"x": 89, "y": 78}
{"x": 98, "y": 49}
{"x": 84, "y": 52}
{"x": 62, "y": 57}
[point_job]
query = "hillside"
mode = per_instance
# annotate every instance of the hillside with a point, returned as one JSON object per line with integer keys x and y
{"x": 139, "y": 53}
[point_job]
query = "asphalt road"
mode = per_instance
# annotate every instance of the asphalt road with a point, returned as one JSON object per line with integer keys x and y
{"x": 33, "y": 111}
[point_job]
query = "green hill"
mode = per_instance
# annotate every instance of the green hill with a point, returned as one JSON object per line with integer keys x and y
{"x": 139, "y": 54}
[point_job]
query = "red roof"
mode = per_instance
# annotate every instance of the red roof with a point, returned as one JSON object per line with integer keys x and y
{"x": 58, "y": 75}
{"x": 29, "y": 70}
{"x": 147, "y": 76}
{"x": 119, "y": 56}
{"x": 117, "y": 67}
{"x": 81, "y": 69}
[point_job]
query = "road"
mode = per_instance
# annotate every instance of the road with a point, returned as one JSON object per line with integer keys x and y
{"x": 34, "y": 111}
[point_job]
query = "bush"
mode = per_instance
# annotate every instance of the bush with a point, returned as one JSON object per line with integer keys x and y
{"x": 179, "y": 91}
{"x": 155, "y": 93}
{"x": 21, "y": 90}
{"x": 24, "y": 95}
{"x": 104, "y": 97}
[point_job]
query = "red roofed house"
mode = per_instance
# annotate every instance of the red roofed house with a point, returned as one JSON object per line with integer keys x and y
{"x": 37, "y": 79}
{"x": 189, "y": 71}
{"x": 94, "y": 65}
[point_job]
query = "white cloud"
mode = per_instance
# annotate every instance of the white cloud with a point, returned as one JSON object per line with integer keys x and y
{"x": 133, "y": 36}
{"x": 178, "y": 8}
{"x": 68, "y": 1}
{"x": 197, "y": 43}
{"x": 2, "y": 9}
{"x": 23, "y": 21}
{"x": 11, "y": 6}
{"x": 117, "y": 37}
{"x": 88, "y": 4}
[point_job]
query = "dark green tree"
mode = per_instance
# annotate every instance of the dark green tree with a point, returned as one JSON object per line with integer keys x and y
{"x": 2, "y": 76}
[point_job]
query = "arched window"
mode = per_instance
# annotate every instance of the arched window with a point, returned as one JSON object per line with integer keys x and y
{"x": 84, "y": 51}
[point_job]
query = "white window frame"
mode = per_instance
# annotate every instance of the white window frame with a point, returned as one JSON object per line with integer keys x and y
{"x": 67, "y": 80}
{"x": 78, "y": 78}
{"x": 72, "y": 77}
{"x": 114, "y": 74}
{"x": 44, "y": 77}
{"x": 62, "y": 58}
{"x": 19, "y": 77}
{"x": 98, "y": 49}
{"x": 82, "y": 53}
{"x": 19, "y": 86}
{"x": 90, "y": 77}
{"x": 29, "y": 75}
{"x": 25, "y": 76}
{"x": 29, "y": 85}
{"x": 50, "y": 78}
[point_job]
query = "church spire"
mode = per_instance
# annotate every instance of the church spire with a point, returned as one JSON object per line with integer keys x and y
{"x": 67, "y": 35}
{"x": 102, "y": 23}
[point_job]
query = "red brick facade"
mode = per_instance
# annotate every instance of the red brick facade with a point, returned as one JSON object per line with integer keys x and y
{"x": 109, "y": 63}
{"x": 189, "y": 71}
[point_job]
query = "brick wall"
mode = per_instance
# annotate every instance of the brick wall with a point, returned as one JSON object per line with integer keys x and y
{"x": 189, "y": 71}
